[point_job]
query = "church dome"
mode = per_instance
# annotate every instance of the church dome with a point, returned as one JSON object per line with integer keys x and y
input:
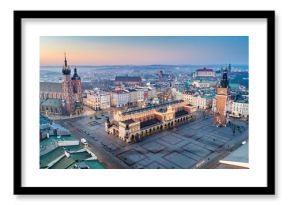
{"x": 76, "y": 76}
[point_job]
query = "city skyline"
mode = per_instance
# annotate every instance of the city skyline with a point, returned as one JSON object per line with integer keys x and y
{"x": 144, "y": 117}
{"x": 144, "y": 50}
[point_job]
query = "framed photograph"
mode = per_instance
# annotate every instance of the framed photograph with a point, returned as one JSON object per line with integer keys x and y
{"x": 144, "y": 102}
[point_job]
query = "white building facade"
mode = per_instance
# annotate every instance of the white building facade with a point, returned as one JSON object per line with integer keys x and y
{"x": 120, "y": 98}
{"x": 240, "y": 109}
{"x": 133, "y": 97}
{"x": 201, "y": 102}
{"x": 97, "y": 99}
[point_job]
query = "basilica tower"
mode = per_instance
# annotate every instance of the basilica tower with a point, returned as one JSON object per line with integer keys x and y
{"x": 77, "y": 91}
{"x": 67, "y": 89}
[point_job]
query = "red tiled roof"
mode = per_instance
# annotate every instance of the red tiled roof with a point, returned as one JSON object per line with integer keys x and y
{"x": 204, "y": 69}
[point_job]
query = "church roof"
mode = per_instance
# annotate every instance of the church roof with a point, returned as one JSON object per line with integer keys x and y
{"x": 52, "y": 103}
{"x": 50, "y": 87}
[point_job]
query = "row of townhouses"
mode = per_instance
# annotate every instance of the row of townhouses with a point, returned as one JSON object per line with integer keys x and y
{"x": 98, "y": 99}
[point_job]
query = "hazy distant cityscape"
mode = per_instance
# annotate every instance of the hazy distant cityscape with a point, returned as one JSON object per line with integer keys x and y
{"x": 90, "y": 73}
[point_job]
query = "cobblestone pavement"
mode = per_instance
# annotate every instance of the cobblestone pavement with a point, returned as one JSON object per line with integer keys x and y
{"x": 188, "y": 146}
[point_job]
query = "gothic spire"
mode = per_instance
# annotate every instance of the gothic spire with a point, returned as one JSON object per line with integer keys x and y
{"x": 65, "y": 61}
{"x": 65, "y": 69}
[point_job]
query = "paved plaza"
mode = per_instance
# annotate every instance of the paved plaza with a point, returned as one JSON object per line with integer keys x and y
{"x": 187, "y": 146}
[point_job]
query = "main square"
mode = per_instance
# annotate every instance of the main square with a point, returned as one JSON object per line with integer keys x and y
{"x": 144, "y": 102}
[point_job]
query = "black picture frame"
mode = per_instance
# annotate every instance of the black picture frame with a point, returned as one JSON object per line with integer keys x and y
{"x": 268, "y": 190}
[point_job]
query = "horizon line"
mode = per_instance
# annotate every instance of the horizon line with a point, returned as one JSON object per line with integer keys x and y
{"x": 149, "y": 64}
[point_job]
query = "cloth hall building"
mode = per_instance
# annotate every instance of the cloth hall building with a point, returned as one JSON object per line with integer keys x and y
{"x": 136, "y": 124}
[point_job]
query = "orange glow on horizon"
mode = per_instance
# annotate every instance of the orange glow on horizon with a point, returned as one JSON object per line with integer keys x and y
{"x": 142, "y": 50}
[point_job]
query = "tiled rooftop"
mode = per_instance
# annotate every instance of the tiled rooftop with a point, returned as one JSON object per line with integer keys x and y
{"x": 204, "y": 69}
{"x": 50, "y": 87}
{"x": 149, "y": 123}
{"x": 80, "y": 156}
{"x": 181, "y": 113}
{"x": 151, "y": 107}
{"x": 44, "y": 120}
{"x": 127, "y": 122}
{"x": 52, "y": 141}
{"x": 52, "y": 102}
{"x": 49, "y": 157}
{"x": 73, "y": 148}
{"x": 87, "y": 164}
{"x": 240, "y": 155}
{"x": 64, "y": 163}
{"x": 94, "y": 164}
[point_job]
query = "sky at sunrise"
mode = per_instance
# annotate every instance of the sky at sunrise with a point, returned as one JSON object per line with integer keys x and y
{"x": 144, "y": 50}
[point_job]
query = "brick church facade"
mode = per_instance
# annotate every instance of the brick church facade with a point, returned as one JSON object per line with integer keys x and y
{"x": 63, "y": 98}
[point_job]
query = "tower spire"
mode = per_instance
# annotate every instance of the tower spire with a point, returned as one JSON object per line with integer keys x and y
{"x": 65, "y": 61}
{"x": 224, "y": 81}
{"x": 66, "y": 68}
